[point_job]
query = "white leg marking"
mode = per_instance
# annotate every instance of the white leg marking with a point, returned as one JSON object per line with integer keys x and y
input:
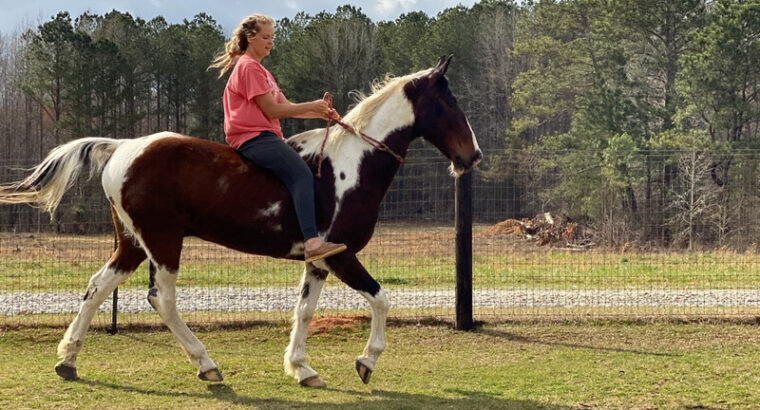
{"x": 295, "y": 354}
{"x": 379, "y": 305}
{"x": 297, "y": 249}
{"x": 166, "y": 305}
{"x": 101, "y": 285}
{"x": 321, "y": 264}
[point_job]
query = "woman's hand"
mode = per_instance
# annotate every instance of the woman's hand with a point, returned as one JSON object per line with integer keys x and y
{"x": 323, "y": 109}
{"x": 333, "y": 115}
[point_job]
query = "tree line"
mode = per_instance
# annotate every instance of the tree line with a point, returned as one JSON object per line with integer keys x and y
{"x": 635, "y": 116}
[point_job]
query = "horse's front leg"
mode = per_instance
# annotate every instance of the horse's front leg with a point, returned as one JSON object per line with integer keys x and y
{"x": 295, "y": 355}
{"x": 349, "y": 270}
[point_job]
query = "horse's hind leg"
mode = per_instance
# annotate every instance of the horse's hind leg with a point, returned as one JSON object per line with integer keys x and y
{"x": 164, "y": 254}
{"x": 122, "y": 264}
{"x": 295, "y": 355}
{"x": 349, "y": 270}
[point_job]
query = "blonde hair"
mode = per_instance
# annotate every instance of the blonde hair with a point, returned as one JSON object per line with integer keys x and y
{"x": 238, "y": 43}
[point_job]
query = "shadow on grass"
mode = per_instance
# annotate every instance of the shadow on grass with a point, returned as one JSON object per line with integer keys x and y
{"x": 522, "y": 339}
{"x": 479, "y": 329}
{"x": 376, "y": 399}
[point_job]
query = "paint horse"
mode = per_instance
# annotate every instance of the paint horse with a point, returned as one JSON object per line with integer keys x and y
{"x": 166, "y": 186}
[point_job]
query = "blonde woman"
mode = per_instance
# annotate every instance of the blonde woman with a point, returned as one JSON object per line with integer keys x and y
{"x": 253, "y": 104}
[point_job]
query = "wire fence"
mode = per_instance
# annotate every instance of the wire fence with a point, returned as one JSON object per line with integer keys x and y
{"x": 556, "y": 235}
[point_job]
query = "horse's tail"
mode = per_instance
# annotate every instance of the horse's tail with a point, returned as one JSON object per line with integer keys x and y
{"x": 58, "y": 171}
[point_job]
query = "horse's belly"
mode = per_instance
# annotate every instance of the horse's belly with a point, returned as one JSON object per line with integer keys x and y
{"x": 255, "y": 241}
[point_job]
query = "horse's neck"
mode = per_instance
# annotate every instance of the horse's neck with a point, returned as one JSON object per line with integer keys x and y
{"x": 355, "y": 161}
{"x": 358, "y": 165}
{"x": 359, "y": 176}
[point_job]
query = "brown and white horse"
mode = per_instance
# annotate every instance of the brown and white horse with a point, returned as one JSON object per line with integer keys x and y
{"x": 166, "y": 186}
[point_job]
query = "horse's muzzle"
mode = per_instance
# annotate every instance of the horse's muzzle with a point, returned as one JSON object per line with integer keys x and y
{"x": 461, "y": 165}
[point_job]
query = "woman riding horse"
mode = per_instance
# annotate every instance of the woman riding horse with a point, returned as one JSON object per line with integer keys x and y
{"x": 166, "y": 186}
{"x": 253, "y": 104}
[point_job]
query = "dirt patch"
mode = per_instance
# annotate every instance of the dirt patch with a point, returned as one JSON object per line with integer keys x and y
{"x": 329, "y": 324}
{"x": 51, "y": 246}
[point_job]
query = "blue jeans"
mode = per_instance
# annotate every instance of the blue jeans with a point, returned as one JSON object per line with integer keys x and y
{"x": 268, "y": 151}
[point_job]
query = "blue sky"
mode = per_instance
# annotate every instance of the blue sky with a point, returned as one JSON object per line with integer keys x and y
{"x": 19, "y": 14}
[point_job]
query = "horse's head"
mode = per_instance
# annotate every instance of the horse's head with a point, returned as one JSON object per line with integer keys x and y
{"x": 439, "y": 119}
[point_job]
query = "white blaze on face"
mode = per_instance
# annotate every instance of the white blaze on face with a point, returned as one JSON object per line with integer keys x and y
{"x": 458, "y": 172}
{"x": 474, "y": 140}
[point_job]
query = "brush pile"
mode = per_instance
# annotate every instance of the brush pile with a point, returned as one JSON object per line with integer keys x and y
{"x": 545, "y": 229}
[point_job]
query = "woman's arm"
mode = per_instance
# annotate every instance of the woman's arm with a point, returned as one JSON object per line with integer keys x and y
{"x": 287, "y": 109}
{"x": 306, "y": 115}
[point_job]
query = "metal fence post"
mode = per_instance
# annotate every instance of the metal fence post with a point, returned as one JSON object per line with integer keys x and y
{"x": 463, "y": 224}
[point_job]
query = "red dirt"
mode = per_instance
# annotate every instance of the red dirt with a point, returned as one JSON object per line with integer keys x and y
{"x": 329, "y": 323}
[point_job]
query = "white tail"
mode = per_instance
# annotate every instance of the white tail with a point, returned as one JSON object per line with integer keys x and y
{"x": 58, "y": 172}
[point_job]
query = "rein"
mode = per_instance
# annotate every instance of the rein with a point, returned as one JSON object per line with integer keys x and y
{"x": 369, "y": 140}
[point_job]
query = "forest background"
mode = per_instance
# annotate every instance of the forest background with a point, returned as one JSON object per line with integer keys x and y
{"x": 632, "y": 115}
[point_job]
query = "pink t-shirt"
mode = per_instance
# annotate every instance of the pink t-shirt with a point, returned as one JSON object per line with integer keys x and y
{"x": 243, "y": 118}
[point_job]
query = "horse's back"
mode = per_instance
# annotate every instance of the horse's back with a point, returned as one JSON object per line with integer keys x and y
{"x": 196, "y": 187}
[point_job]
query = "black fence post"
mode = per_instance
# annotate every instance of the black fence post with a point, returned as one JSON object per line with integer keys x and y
{"x": 463, "y": 224}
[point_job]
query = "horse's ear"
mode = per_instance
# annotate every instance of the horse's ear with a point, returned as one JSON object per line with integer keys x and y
{"x": 443, "y": 65}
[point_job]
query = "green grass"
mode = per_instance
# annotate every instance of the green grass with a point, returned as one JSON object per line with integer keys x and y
{"x": 546, "y": 365}
{"x": 536, "y": 269}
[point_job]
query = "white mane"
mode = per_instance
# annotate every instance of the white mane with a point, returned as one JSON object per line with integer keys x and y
{"x": 358, "y": 117}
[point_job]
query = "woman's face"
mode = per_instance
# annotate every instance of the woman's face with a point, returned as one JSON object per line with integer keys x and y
{"x": 260, "y": 44}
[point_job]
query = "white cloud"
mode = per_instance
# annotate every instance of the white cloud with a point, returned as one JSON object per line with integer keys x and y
{"x": 390, "y": 7}
{"x": 407, "y": 4}
{"x": 292, "y": 5}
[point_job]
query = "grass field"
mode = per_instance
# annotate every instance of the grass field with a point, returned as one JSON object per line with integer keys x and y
{"x": 520, "y": 365}
{"x": 398, "y": 256}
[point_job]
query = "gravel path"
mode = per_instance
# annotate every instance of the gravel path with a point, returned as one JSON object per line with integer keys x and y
{"x": 283, "y": 299}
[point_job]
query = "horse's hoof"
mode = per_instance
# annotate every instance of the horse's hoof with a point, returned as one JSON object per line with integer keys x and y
{"x": 313, "y": 381}
{"x": 211, "y": 375}
{"x": 66, "y": 372}
{"x": 364, "y": 372}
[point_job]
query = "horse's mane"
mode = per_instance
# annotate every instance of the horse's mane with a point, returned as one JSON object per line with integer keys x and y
{"x": 367, "y": 105}
{"x": 365, "y": 108}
